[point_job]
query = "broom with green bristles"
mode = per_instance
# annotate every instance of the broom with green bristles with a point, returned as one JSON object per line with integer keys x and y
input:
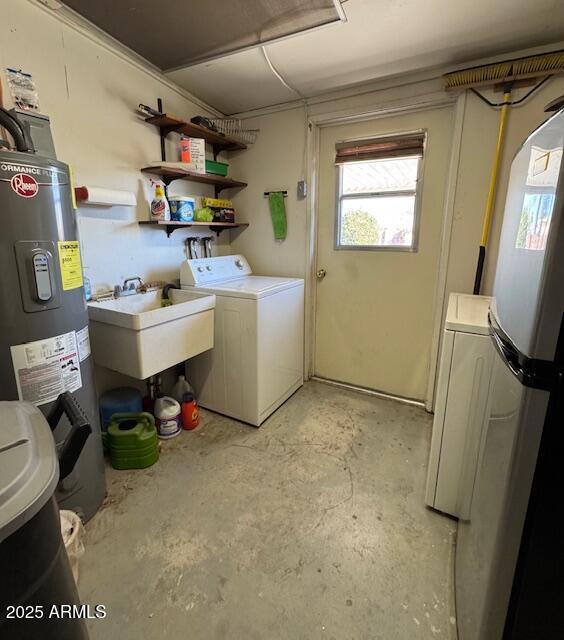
{"x": 505, "y": 76}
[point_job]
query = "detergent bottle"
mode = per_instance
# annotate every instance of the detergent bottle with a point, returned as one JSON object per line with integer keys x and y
{"x": 167, "y": 417}
{"x": 181, "y": 387}
{"x": 160, "y": 209}
{"x": 190, "y": 412}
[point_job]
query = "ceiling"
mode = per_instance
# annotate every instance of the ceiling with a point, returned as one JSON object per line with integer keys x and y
{"x": 381, "y": 38}
{"x": 184, "y": 32}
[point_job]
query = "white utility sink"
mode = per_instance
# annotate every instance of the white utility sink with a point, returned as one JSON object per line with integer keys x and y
{"x": 137, "y": 336}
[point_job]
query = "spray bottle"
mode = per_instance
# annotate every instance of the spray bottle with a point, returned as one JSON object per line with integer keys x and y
{"x": 160, "y": 209}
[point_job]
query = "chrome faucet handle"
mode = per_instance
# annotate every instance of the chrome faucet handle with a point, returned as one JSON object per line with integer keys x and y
{"x": 128, "y": 282}
{"x": 128, "y": 287}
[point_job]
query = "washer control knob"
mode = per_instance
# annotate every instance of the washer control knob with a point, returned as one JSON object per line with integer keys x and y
{"x": 200, "y": 269}
{"x": 239, "y": 264}
{"x": 208, "y": 268}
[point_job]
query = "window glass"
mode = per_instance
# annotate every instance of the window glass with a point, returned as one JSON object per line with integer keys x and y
{"x": 377, "y": 204}
{"x": 379, "y": 175}
{"x": 383, "y": 221}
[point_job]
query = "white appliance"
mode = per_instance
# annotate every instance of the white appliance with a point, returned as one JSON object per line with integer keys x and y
{"x": 257, "y": 360}
{"x": 509, "y": 553}
{"x": 465, "y": 371}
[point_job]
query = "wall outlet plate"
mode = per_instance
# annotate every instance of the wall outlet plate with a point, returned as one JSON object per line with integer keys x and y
{"x": 302, "y": 189}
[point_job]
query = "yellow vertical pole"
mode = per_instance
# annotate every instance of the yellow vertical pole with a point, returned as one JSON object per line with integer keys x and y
{"x": 495, "y": 168}
{"x": 491, "y": 193}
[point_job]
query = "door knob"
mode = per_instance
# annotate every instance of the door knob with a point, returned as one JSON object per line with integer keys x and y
{"x": 321, "y": 273}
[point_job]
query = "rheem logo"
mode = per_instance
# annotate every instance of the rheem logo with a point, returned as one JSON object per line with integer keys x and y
{"x": 24, "y": 185}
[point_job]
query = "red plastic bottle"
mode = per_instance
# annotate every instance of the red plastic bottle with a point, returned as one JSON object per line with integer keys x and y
{"x": 190, "y": 412}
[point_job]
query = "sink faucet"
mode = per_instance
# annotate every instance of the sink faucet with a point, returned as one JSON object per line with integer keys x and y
{"x": 128, "y": 288}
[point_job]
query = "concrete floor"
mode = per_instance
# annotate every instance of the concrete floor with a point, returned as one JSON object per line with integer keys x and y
{"x": 311, "y": 527}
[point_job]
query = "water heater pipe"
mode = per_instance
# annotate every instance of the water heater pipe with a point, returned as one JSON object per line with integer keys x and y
{"x": 16, "y": 130}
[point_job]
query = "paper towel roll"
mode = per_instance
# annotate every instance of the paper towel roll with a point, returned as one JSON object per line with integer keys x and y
{"x": 101, "y": 197}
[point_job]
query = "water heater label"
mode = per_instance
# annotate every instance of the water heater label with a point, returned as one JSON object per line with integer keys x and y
{"x": 46, "y": 368}
{"x": 71, "y": 267}
{"x": 83, "y": 340}
{"x": 25, "y": 179}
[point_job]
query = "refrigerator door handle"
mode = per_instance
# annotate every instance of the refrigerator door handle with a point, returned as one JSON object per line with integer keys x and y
{"x": 505, "y": 355}
{"x": 531, "y": 372}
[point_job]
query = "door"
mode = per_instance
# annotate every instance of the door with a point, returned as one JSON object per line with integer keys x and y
{"x": 378, "y": 242}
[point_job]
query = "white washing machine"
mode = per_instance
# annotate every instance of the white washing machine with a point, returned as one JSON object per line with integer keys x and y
{"x": 257, "y": 360}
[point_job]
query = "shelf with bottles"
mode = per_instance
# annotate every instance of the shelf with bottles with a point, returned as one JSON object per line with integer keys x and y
{"x": 168, "y": 174}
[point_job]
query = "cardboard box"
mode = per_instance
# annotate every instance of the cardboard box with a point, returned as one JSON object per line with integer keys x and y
{"x": 193, "y": 154}
{"x": 217, "y": 202}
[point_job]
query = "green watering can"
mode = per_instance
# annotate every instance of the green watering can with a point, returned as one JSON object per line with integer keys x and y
{"x": 132, "y": 440}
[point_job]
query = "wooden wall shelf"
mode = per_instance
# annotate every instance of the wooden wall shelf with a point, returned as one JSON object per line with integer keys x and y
{"x": 169, "y": 174}
{"x": 171, "y": 225}
{"x": 220, "y": 142}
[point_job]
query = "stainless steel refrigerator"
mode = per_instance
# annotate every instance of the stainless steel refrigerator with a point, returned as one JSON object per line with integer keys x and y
{"x": 510, "y": 552}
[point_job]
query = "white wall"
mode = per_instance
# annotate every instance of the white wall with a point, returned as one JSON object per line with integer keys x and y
{"x": 90, "y": 94}
{"x": 478, "y": 143}
{"x": 274, "y": 163}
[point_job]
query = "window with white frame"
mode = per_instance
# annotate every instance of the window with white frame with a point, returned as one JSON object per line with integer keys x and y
{"x": 377, "y": 200}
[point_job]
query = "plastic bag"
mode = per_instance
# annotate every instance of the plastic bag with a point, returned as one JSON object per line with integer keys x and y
{"x": 23, "y": 90}
{"x": 73, "y": 532}
{"x": 205, "y": 214}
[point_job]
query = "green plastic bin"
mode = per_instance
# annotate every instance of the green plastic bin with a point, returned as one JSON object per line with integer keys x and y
{"x": 217, "y": 168}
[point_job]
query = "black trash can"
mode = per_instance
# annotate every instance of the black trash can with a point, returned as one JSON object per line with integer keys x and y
{"x": 38, "y": 595}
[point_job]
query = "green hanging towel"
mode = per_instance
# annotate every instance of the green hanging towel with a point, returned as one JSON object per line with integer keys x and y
{"x": 278, "y": 214}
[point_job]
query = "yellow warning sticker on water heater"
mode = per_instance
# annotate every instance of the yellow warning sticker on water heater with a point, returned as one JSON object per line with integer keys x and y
{"x": 71, "y": 267}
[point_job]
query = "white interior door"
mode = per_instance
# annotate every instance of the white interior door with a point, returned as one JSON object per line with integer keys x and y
{"x": 374, "y": 305}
